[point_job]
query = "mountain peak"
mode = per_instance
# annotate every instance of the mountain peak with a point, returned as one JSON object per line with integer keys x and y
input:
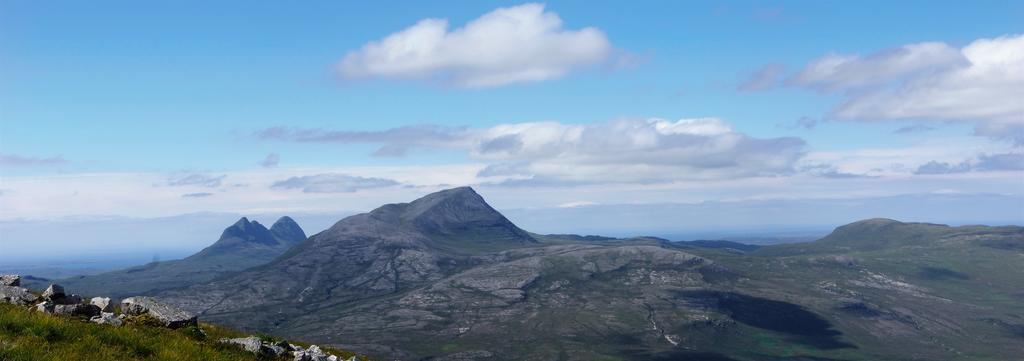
{"x": 248, "y": 231}
{"x": 287, "y": 230}
{"x": 460, "y": 217}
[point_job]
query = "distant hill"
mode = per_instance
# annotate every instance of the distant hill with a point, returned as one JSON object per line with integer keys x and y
{"x": 720, "y": 244}
{"x": 243, "y": 245}
{"x": 881, "y": 234}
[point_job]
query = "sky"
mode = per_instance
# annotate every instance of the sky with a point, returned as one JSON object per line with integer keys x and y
{"x": 572, "y": 110}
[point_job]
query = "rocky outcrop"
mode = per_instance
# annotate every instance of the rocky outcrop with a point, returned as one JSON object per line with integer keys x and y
{"x": 257, "y": 346}
{"x": 16, "y": 295}
{"x": 314, "y": 353}
{"x": 271, "y": 349}
{"x": 10, "y": 280}
{"x": 170, "y": 316}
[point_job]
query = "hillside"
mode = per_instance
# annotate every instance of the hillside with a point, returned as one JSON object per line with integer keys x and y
{"x": 242, "y": 245}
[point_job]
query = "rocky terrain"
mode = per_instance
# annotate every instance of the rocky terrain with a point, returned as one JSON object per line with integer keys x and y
{"x": 446, "y": 277}
{"x": 134, "y": 312}
{"x": 243, "y": 245}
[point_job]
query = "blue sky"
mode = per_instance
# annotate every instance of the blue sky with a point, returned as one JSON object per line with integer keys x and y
{"x": 154, "y": 110}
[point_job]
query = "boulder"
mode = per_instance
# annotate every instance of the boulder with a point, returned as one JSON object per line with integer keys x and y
{"x": 16, "y": 295}
{"x": 53, "y": 292}
{"x": 108, "y": 318}
{"x": 10, "y": 280}
{"x": 172, "y": 317}
{"x": 103, "y": 303}
{"x": 45, "y": 307}
{"x": 255, "y": 345}
{"x": 76, "y": 309}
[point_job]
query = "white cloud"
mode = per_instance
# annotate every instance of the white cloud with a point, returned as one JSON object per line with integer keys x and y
{"x": 982, "y": 83}
{"x": 508, "y": 45}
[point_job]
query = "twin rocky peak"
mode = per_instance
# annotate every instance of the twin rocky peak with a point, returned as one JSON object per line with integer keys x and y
{"x": 246, "y": 234}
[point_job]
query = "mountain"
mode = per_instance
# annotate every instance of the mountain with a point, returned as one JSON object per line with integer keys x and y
{"x": 243, "y": 245}
{"x": 446, "y": 277}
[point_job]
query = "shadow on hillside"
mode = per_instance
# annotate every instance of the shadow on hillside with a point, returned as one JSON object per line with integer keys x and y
{"x": 941, "y": 274}
{"x": 801, "y": 325}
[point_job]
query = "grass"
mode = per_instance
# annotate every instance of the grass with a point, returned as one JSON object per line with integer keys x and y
{"x": 33, "y": 336}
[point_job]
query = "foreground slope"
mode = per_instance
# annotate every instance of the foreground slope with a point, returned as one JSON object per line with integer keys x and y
{"x": 447, "y": 277}
{"x": 243, "y": 245}
{"x": 33, "y": 336}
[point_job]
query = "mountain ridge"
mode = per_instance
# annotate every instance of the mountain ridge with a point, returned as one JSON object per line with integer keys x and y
{"x": 411, "y": 281}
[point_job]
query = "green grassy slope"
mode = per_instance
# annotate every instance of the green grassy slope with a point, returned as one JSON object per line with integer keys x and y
{"x": 32, "y": 336}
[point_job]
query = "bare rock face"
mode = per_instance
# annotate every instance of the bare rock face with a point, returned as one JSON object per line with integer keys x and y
{"x": 10, "y": 280}
{"x": 172, "y": 317}
{"x": 103, "y": 303}
{"x": 16, "y": 295}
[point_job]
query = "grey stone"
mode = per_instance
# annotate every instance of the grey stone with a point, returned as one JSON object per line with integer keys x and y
{"x": 53, "y": 292}
{"x": 10, "y": 280}
{"x": 16, "y": 295}
{"x": 255, "y": 345}
{"x": 103, "y": 303}
{"x": 313, "y": 353}
{"x": 77, "y": 309}
{"x": 172, "y": 317}
{"x": 108, "y": 318}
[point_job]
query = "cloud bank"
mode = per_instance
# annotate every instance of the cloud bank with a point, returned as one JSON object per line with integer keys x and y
{"x": 983, "y": 163}
{"x": 333, "y": 183}
{"x": 196, "y": 179}
{"x": 509, "y": 45}
{"x": 636, "y": 150}
{"x": 15, "y": 160}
